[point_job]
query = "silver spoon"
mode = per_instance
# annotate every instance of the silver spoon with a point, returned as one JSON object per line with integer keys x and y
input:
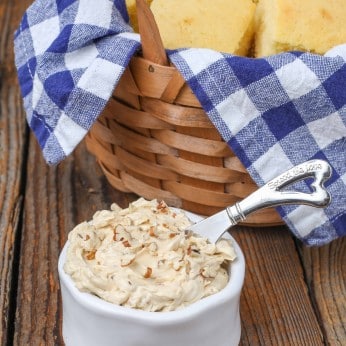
{"x": 270, "y": 195}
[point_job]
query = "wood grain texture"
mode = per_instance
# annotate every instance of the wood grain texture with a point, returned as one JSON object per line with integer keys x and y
{"x": 275, "y": 305}
{"x": 57, "y": 198}
{"x": 12, "y": 152}
{"x": 326, "y": 277}
{"x": 152, "y": 45}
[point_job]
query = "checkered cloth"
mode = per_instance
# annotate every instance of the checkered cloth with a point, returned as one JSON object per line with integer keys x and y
{"x": 274, "y": 113}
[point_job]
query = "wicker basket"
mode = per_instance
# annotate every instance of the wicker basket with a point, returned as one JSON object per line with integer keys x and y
{"x": 154, "y": 139}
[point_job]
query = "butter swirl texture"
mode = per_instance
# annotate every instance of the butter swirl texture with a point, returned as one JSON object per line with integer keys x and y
{"x": 141, "y": 257}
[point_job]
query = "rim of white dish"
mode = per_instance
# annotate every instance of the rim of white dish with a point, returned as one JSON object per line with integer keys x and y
{"x": 98, "y": 305}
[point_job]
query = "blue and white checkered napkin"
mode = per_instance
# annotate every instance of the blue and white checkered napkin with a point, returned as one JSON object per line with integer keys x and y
{"x": 274, "y": 112}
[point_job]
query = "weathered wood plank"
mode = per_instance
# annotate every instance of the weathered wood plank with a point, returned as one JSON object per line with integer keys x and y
{"x": 275, "y": 304}
{"x": 57, "y": 198}
{"x": 12, "y": 152}
{"x": 326, "y": 276}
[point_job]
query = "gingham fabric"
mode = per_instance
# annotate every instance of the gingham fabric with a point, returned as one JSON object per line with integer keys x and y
{"x": 70, "y": 55}
{"x": 274, "y": 112}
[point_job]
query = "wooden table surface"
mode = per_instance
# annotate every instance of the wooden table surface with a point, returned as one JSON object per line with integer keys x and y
{"x": 293, "y": 295}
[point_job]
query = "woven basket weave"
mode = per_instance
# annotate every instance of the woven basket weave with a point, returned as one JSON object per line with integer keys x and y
{"x": 154, "y": 139}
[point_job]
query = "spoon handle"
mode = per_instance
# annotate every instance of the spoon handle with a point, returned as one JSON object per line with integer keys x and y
{"x": 274, "y": 193}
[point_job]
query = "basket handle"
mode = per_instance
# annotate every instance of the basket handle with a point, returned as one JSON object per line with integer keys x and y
{"x": 152, "y": 46}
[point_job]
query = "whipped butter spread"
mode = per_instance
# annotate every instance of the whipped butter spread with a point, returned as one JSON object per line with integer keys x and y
{"x": 141, "y": 257}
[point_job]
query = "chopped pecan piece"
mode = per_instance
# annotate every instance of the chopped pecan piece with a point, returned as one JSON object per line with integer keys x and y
{"x": 126, "y": 243}
{"x": 90, "y": 255}
{"x": 148, "y": 273}
{"x": 162, "y": 207}
{"x": 152, "y": 231}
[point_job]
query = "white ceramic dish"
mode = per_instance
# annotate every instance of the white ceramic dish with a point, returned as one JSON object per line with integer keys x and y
{"x": 214, "y": 320}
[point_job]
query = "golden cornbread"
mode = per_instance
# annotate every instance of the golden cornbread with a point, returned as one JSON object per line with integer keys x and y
{"x": 223, "y": 25}
{"x": 132, "y": 11}
{"x": 309, "y": 25}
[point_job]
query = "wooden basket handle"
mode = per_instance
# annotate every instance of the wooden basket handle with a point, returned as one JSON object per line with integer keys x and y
{"x": 152, "y": 46}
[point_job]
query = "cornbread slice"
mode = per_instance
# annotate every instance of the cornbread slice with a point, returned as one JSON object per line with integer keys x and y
{"x": 132, "y": 11}
{"x": 223, "y": 25}
{"x": 308, "y": 25}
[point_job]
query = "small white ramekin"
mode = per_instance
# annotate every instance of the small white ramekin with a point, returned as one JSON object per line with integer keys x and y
{"x": 214, "y": 320}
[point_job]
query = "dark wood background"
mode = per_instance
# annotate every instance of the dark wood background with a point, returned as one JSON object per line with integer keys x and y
{"x": 293, "y": 295}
